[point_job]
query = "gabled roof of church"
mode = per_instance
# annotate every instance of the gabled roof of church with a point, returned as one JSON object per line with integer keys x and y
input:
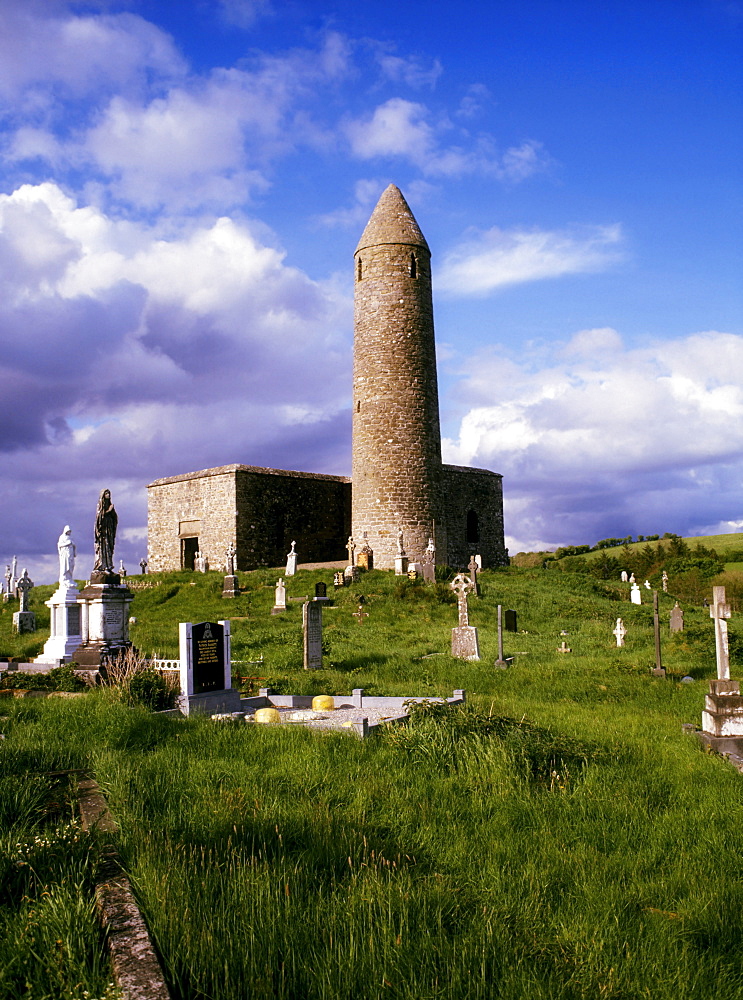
{"x": 392, "y": 222}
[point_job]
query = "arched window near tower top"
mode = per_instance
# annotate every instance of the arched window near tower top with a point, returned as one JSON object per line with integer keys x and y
{"x": 413, "y": 266}
{"x": 473, "y": 527}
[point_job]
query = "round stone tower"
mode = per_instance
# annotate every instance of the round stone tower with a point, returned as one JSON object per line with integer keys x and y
{"x": 396, "y": 437}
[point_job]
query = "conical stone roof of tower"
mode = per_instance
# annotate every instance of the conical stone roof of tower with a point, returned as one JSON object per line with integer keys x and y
{"x": 392, "y": 222}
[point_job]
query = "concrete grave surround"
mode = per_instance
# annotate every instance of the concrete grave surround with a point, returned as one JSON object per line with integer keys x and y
{"x": 398, "y": 479}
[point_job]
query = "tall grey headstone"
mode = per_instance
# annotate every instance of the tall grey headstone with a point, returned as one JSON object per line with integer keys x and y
{"x": 312, "y": 633}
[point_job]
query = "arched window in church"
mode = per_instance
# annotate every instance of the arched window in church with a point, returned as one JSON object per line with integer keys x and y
{"x": 413, "y": 266}
{"x": 473, "y": 527}
{"x": 358, "y": 269}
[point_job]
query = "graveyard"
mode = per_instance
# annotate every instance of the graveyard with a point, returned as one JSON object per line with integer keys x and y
{"x": 559, "y": 835}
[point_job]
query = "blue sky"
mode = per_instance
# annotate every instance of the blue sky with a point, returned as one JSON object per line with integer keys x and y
{"x": 182, "y": 186}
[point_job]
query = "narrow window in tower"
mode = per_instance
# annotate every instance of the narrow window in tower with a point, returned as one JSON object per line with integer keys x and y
{"x": 358, "y": 406}
{"x": 473, "y": 527}
{"x": 413, "y": 266}
{"x": 358, "y": 269}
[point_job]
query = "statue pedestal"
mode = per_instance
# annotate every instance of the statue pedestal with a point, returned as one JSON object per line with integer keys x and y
{"x": 65, "y": 625}
{"x": 105, "y": 619}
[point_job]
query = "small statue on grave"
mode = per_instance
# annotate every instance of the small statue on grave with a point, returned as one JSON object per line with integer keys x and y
{"x": 122, "y": 568}
{"x": 632, "y": 578}
{"x": 8, "y": 581}
{"x": 400, "y": 547}
{"x": 67, "y": 550}
{"x": 429, "y": 555}
{"x": 351, "y": 549}
{"x": 106, "y": 522}
{"x": 625, "y": 578}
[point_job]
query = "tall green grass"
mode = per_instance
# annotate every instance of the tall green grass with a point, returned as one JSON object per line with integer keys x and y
{"x": 559, "y": 838}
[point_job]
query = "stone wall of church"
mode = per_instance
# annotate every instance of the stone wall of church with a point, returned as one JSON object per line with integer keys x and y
{"x": 198, "y": 506}
{"x": 261, "y": 510}
{"x": 472, "y": 501}
{"x": 275, "y": 508}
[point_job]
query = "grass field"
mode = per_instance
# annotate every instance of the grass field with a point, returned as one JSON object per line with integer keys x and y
{"x": 561, "y": 838}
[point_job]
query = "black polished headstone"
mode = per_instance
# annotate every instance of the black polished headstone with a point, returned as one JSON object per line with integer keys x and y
{"x": 208, "y": 657}
{"x": 510, "y": 617}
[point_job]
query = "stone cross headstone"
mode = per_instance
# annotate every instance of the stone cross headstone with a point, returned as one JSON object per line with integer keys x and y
{"x": 143, "y": 565}
{"x": 360, "y": 615}
{"x": 464, "y": 639}
{"x": 620, "y": 631}
{"x": 312, "y": 634}
{"x": 664, "y": 578}
{"x": 564, "y": 648}
{"x": 279, "y": 602}
{"x": 351, "y": 549}
{"x": 647, "y": 585}
{"x": 635, "y": 595}
{"x": 231, "y": 585}
{"x": 206, "y": 671}
{"x": 24, "y": 585}
{"x": 473, "y": 570}
{"x": 677, "y": 618}
{"x": 8, "y": 580}
{"x": 23, "y": 619}
{"x": 230, "y": 559}
{"x": 291, "y": 562}
{"x": 720, "y": 612}
{"x": 14, "y": 576}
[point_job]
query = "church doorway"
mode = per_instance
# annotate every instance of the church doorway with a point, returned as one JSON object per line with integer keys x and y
{"x": 189, "y": 548}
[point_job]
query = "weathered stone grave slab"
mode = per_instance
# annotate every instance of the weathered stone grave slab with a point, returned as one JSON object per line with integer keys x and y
{"x": 677, "y": 618}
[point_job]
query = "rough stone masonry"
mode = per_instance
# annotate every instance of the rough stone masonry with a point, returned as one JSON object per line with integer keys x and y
{"x": 399, "y": 482}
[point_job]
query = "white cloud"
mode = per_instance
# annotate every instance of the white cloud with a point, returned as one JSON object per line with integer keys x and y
{"x": 395, "y": 128}
{"x": 403, "y": 129}
{"x": 128, "y": 355}
{"x": 497, "y": 258}
{"x": 80, "y": 53}
{"x": 651, "y": 438}
{"x": 408, "y": 69}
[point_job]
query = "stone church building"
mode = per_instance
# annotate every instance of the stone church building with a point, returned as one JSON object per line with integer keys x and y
{"x": 398, "y": 484}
